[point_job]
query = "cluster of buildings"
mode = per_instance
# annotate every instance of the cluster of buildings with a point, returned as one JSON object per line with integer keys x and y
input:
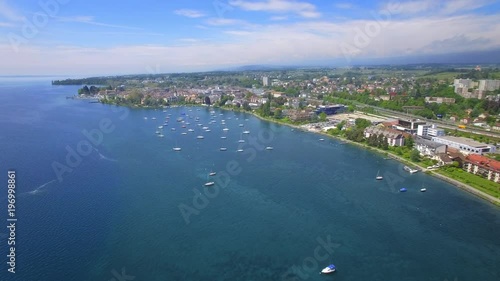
{"x": 432, "y": 143}
{"x": 468, "y": 88}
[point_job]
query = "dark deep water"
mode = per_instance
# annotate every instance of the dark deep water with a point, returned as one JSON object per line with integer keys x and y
{"x": 118, "y": 211}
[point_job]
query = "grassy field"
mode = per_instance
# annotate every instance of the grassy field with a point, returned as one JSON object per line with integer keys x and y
{"x": 477, "y": 182}
{"x": 442, "y": 75}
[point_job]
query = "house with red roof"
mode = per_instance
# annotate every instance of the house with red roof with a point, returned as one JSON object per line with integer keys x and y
{"x": 483, "y": 166}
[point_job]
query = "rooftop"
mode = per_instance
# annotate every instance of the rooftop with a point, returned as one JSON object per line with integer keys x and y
{"x": 484, "y": 161}
{"x": 463, "y": 140}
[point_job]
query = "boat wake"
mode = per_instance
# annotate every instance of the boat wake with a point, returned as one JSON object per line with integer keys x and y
{"x": 102, "y": 157}
{"x": 40, "y": 188}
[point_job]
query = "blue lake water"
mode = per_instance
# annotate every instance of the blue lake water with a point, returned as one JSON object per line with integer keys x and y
{"x": 131, "y": 207}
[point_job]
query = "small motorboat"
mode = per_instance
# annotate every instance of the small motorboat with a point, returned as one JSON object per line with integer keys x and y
{"x": 423, "y": 189}
{"x": 210, "y": 183}
{"x": 212, "y": 174}
{"x": 176, "y": 149}
{"x": 321, "y": 139}
{"x": 269, "y": 148}
{"x": 329, "y": 269}
{"x": 402, "y": 189}
{"x": 223, "y": 148}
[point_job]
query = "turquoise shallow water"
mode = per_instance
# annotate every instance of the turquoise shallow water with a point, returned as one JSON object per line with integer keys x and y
{"x": 117, "y": 213}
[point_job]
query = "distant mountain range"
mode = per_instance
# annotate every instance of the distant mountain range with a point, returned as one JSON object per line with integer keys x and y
{"x": 491, "y": 57}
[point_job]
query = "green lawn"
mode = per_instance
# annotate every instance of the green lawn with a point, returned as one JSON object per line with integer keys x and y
{"x": 475, "y": 181}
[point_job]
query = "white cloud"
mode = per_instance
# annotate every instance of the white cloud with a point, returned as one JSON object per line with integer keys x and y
{"x": 432, "y": 7}
{"x": 189, "y": 13}
{"x": 345, "y": 6}
{"x": 6, "y": 24}
{"x": 9, "y": 13}
{"x": 278, "y": 18}
{"x": 451, "y": 7}
{"x": 303, "y": 9}
{"x": 90, "y": 20}
{"x": 276, "y": 43}
{"x": 226, "y": 22}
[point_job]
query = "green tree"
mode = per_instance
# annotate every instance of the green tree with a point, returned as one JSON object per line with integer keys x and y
{"x": 415, "y": 155}
{"x": 278, "y": 113}
{"x": 84, "y": 90}
{"x": 385, "y": 144}
{"x": 246, "y": 106}
{"x": 93, "y": 90}
{"x": 322, "y": 117}
{"x": 341, "y": 125}
{"x": 409, "y": 142}
{"x": 362, "y": 123}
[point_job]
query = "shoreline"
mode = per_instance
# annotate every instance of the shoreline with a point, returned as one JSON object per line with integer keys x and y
{"x": 463, "y": 186}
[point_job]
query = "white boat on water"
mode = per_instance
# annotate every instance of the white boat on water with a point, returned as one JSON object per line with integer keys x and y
{"x": 200, "y": 137}
{"x": 184, "y": 133}
{"x": 154, "y": 118}
{"x": 223, "y": 148}
{"x": 190, "y": 130}
{"x": 269, "y": 148}
{"x": 410, "y": 170}
{"x": 210, "y": 183}
{"x": 212, "y": 174}
{"x": 329, "y": 269}
{"x": 379, "y": 177}
{"x": 241, "y": 125}
{"x": 225, "y": 129}
{"x": 240, "y": 150}
{"x": 423, "y": 189}
{"x": 176, "y": 149}
{"x": 246, "y": 132}
{"x": 160, "y": 135}
{"x": 223, "y": 138}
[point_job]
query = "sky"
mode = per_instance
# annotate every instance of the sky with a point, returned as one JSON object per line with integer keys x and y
{"x": 88, "y": 37}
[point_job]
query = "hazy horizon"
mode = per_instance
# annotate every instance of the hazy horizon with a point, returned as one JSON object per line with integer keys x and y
{"x": 92, "y": 39}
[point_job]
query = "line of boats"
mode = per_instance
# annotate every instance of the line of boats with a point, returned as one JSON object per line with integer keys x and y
{"x": 403, "y": 189}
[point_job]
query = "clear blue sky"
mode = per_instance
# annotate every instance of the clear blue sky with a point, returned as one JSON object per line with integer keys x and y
{"x": 77, "y": 37}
